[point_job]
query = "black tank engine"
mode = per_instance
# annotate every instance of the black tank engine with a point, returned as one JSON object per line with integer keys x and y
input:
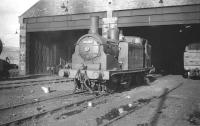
{"x": 5, "y": 66}
{"x": 106, "y": 64}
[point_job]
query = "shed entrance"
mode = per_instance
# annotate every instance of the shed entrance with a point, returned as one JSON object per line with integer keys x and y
{"x": 168, "y": 44}
{"x": 49, "y": 49}
{"x": 168, "y": 29}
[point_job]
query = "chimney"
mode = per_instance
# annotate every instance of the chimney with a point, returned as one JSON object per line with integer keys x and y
{"x": 94, "y": 25}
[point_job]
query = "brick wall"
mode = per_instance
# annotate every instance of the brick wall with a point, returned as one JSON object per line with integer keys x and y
{"x": 54, "y": 7}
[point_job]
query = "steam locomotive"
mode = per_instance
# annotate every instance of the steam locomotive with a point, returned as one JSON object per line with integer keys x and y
{"x": 108, "y": 64}
{"x": 5, "y": 66}
{"x": 192, "y": 60}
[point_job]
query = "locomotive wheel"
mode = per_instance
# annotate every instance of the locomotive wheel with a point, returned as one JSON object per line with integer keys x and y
{"x": 113, "y": 84}
{"x": 111, "y": 87}
{"x": 139, "y": 78}
{"x": 146, "y": 80}
{"x": 129, "y": 82}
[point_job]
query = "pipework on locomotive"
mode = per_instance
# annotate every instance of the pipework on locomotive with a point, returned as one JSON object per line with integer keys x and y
{"x": 107, "y": 64}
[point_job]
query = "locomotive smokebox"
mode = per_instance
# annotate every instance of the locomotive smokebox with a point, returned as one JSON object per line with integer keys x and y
{"x": 94, "y": 25}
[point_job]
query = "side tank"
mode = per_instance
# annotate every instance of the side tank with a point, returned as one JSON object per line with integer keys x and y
{"x": 134, "y": 53}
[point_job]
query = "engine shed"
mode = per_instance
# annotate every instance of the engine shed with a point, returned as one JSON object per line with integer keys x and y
{"x": 50, "y": 29}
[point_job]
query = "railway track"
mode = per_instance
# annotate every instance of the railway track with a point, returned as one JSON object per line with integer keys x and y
{"x": 128, "y": 109}
{"x": 20, "y": 81}
{"x": 31, "y": 111}
{"x": 36, "y": 100}
{"x": 27, "y": 77}
{"x": 17, "y": 84}
{"x": 115, "y": 115}
{"x": 67, "y": 102}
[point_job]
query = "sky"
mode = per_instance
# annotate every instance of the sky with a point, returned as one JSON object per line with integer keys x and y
{"x": 10, "y": 10}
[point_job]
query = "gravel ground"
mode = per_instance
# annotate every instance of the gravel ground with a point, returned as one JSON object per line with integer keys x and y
{"x": 179, "y": 107}
{"x": 90, "y": 116}
{"x": 9, "y": 97}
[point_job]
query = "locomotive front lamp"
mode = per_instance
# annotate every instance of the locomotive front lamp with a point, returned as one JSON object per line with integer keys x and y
{"x": 95, "y": 75}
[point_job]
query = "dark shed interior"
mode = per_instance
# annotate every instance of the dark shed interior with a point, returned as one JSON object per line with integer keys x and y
{"x": 47, "y": 49}
{"x": 168, "y": 44}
